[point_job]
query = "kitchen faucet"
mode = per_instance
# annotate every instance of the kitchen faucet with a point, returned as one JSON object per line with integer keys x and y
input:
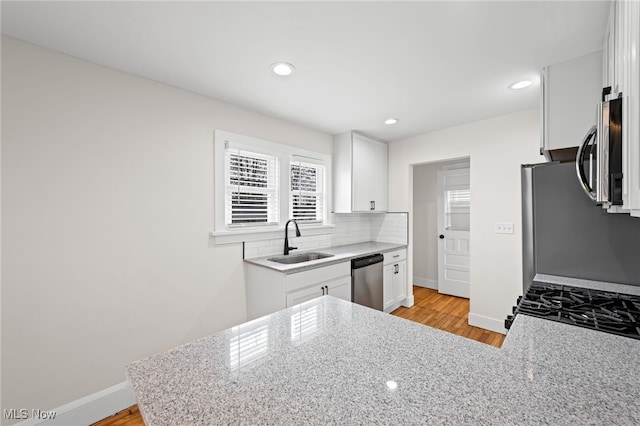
{"x": 287, "y": 249}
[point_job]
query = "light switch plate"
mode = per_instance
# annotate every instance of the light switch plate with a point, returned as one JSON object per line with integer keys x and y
{"x": 504, "y": 228}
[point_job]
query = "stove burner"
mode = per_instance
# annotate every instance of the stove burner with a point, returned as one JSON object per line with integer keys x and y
{"x": 595, "y": 309}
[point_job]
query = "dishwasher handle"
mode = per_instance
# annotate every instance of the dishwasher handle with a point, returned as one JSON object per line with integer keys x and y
{"x": 363, "y": 262}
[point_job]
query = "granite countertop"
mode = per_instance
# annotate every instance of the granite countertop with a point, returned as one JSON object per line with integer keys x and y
{"x": 339, "y": 254}
{"x": 331, "y": 361}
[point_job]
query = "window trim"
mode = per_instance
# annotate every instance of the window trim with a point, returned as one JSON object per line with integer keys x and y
{"x": 285, "y": 153}
{"x": 318, "y": 165}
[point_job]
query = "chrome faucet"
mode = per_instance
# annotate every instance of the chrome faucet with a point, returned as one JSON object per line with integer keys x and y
{"x": 287, "y": 249}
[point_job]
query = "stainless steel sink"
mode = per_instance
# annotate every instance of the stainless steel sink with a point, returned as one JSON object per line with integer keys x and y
{"x": 299, "y": 258}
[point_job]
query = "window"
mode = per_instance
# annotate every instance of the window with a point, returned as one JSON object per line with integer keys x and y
{"x": 251, "y": 188}
{"x": 457, "y": 206}
{"x": 259, "y": 185}
{"x": 306, "y": 197}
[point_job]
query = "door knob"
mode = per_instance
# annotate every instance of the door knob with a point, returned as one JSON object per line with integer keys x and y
{"x": 441, "y": 237}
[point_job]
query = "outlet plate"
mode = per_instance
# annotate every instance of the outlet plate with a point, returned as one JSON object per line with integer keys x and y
{"x": 504, "y": 228}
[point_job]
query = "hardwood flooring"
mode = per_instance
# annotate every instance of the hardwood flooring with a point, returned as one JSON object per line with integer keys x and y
{"x": 129, "y": 417}
{"x": 448, "y": 313}
{"x": 431, "y": 308}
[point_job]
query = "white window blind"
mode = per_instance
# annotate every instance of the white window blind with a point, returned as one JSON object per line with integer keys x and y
{"x": 251, "y": 196}
{"x": 456, "y": 209}
{"x": 306, "y": 197}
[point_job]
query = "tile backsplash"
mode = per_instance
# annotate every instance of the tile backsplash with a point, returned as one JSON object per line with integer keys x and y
{"x": 348, "y": 229}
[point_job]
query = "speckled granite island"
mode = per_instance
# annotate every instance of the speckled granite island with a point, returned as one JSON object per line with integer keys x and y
{"x": 328, "y": 361}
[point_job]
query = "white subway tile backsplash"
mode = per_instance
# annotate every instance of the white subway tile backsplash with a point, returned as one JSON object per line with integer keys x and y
{"x": 348, "y": 229}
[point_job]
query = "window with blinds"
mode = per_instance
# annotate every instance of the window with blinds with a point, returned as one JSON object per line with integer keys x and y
{"x": 251, "y": 196}
{"x": 457, "y": 207}
{"x": 306, "y": 197}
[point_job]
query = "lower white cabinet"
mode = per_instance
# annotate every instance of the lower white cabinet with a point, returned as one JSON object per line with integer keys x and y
{"x": 269, "y": 290}
{"x": 340, "y": 288}
{"x": 394, "y": 279}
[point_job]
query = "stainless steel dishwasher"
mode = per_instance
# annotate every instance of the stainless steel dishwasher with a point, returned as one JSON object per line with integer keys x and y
{"x": 366, "y": 281}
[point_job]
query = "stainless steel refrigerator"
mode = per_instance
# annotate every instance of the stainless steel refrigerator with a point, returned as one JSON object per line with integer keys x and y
{"x": 566, "y": 234}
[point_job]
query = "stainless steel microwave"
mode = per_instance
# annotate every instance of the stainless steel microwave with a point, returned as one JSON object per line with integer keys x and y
{"x": 599, "y": 158}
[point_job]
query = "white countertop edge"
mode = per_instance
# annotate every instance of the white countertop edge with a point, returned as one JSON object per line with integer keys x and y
{"x": 341, "y": 254}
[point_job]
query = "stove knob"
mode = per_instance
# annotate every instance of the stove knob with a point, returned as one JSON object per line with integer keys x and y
{"x": 513, "y": 309}
{"x": 519, "y": 299}
{"x": 508, "y": 322}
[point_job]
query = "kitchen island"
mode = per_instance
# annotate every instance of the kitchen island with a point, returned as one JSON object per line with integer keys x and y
{"x": 331, "y": 361}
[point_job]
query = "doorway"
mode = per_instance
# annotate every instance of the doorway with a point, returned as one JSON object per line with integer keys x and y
{"x": 452, "y": 276}
{"x": 454, "y": 208}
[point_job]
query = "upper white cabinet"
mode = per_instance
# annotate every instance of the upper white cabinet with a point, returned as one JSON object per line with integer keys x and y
{"x": 621, "y": 72}
{"x": 570, "y": 93}
{"x": 359, "y": 174}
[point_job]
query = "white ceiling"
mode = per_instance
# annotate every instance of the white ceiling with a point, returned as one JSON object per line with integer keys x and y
{"x": 429, "y": 64}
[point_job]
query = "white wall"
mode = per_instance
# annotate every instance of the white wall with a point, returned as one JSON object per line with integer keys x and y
{"x": 496, "y": 147}
{"x": 107, "y": 205}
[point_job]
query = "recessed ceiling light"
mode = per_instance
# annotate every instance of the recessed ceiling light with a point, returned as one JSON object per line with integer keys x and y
{"x": 283, "y": 68}
{"x": 391, "y": 121}
{"x": 520, "y": 84}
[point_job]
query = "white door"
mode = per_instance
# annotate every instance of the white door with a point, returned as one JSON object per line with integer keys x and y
{"x": 454, "y": 206}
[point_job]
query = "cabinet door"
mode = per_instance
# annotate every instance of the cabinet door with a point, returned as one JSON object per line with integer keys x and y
{"x": 340, "y": 288}
{"x": 378, "y": 175}
{"x": 387, "y": 286}
{"x": 399, "y": 286}
{"x": 299, "y": 296}
{"x": 609, "y": 50}
{"x": 361, "y": 173}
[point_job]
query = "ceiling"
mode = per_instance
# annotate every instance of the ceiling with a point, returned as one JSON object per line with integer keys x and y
{"x": 429, "y": 64}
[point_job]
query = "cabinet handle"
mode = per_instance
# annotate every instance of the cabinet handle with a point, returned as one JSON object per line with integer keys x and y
{"x": 371, "y": 205}
{"x": 326, "y": 287}
{"x": 374, "y": 205}
{"x": 322, "y": 290}
{"x": 396, "y": 256}
{"x": 396, "y": 268}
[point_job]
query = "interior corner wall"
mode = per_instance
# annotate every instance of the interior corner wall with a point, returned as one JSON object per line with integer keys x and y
{"x": 425, "y": 222}
{"x": 107, "y": 205}
{"x": 496, "y": 148}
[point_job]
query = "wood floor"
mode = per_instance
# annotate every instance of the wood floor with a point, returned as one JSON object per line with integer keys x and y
{"x": 129, "y": 417}
{"x": 448, "y": 313}
{"x": 436, "y": 310}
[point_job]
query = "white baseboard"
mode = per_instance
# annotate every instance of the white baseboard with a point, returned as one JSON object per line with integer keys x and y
{"x": 408, "y": 301}
{"x": 88, "y": 409}
{"x": 487, "y": 323}
{"x": 426, "y": 283}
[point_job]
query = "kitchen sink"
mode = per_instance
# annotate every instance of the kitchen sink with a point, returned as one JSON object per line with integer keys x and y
{"x": 299, "y": 258}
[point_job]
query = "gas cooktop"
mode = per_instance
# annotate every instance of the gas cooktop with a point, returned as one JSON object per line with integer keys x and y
{"x": 606, "y": 311}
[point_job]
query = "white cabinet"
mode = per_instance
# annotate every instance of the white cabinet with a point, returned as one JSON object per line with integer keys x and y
{"x": 570, "y": 93}
{"x": 621, "y": 72}
{"x": 340, "y": 288}
{"x": 359, "y": 174}
{"x": 394, "y": 279}
{"x": 269, "y": 290}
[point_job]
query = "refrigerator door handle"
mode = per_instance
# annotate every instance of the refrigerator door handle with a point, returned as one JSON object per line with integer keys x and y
{"x": 585, "y": 181}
